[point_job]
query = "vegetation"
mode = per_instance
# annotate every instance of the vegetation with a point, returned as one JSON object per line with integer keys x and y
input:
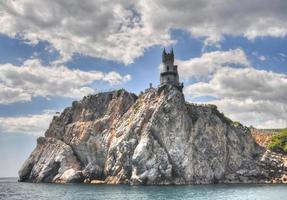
{"x": 120, "y": 91}
{"x": 136, "y": 107}
{"x": 279, "y": 142}
{"x": 237, "y": 123}
{"x": 221, "y": 115}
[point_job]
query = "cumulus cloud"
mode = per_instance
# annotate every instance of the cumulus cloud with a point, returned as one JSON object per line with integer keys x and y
{"x": 251, "y": 96}
{"x": 105, "y": 29}
{"x": 243, "y": 83}
{"x": 30, "y": 124}
{"x": 121, "y": 30}
{"x": 210, "y": 62}
{"x": 214, "y": 19}
{"x": 258, "y": 113}
{"x": 21, "y": 83}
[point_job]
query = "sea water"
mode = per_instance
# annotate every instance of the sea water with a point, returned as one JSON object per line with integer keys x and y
{"x": 11, "y": 189}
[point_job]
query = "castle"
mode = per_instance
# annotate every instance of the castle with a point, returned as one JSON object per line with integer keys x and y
{"x": 169, "y": 73}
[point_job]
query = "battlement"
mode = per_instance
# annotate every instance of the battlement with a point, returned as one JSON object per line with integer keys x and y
{"x": 167, "y": 57}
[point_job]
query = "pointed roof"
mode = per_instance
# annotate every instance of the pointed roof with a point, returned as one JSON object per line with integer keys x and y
{"x": 164, "y": 52}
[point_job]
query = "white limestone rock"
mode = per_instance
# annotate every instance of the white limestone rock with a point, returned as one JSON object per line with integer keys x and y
{"x": 49, "y": 162}
{"x": 156, "y": 138}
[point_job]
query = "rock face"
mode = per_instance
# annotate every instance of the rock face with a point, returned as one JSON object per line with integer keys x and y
{"x": 156, "y": 138}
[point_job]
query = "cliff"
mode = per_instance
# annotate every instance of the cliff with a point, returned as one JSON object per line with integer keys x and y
{"x": 156, "y": 138}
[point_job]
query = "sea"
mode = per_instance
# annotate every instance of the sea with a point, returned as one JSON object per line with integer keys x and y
{"x": 11, "y": 189}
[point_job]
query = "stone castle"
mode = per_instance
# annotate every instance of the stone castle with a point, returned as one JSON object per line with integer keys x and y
{"x": 169, "y": 73}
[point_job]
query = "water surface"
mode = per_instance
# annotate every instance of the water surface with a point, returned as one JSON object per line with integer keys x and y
{"x": 11, "y": 189}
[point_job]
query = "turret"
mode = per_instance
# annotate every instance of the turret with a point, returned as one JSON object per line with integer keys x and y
{"x": 168, "y": 58}
{"x": 169, "y": 73}
{"x": 163, "y": 55}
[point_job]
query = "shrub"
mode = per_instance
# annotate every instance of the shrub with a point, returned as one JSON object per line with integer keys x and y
{"x": 119, "y": 92}
{"x": 237, "y": 123}
{"x": 279, "y": 142}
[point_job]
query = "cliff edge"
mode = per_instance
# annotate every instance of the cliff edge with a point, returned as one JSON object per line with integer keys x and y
{"x": 156, "y": 138}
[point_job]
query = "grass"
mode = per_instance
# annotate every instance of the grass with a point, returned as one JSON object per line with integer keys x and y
{"x": 279, "y": 142}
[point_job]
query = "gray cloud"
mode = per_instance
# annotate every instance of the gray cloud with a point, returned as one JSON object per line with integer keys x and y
{"x": 21, "y": 83}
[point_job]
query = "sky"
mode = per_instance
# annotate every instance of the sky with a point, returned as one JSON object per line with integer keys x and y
{"x": 229, "y": 53}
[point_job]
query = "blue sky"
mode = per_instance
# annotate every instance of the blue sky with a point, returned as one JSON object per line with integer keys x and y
{"x": 50, "y": 57}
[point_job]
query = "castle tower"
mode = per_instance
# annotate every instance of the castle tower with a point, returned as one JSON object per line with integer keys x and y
{"x": 169, "y": 73}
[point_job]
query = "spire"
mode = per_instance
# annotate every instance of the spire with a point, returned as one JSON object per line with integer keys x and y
{"x": 163, "y": 55}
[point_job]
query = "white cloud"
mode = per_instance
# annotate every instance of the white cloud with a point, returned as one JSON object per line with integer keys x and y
{"x": 210, "y": 62}
{"x": 121, "y": 30}
{"x": 258, "y": 113}
{"x": 243, "y": 83}
{"x": 251, "y": 96}
{"x": 259, "y": 57}
{"x": 214, "y": 19}
{"x": 34, "y": 79}
{"x": 105, "y": 29}
{"x": 30, "y": 124}
{"x": 262, "y": 58}
{"x": 115, "y": 78}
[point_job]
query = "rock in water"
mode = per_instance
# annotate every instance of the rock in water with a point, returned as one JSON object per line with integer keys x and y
{"x": 156, "y": 138}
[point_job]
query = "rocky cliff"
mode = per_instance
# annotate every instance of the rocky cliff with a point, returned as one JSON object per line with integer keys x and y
{"x": 156, "y": 138}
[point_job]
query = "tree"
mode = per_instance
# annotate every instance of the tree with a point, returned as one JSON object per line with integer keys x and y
{"x": 279, "y": 142}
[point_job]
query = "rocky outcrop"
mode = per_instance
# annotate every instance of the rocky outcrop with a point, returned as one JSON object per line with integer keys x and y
{"x": 156, "y": 138}
{"x": 51, "y": 161}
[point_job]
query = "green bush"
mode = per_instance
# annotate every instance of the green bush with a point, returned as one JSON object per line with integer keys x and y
{"x": 279, "y": 142}
{"x": 120, "y": 91}
{"x": 237, "y": 123}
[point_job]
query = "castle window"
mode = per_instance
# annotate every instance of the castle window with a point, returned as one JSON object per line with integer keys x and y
{"x": 167, "y": 68}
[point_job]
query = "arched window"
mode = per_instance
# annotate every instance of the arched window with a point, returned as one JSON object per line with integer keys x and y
{"x": 167, "y": 68}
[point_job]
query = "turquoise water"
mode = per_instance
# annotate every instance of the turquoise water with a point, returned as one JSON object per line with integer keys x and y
{"x": 10, "y": 189}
